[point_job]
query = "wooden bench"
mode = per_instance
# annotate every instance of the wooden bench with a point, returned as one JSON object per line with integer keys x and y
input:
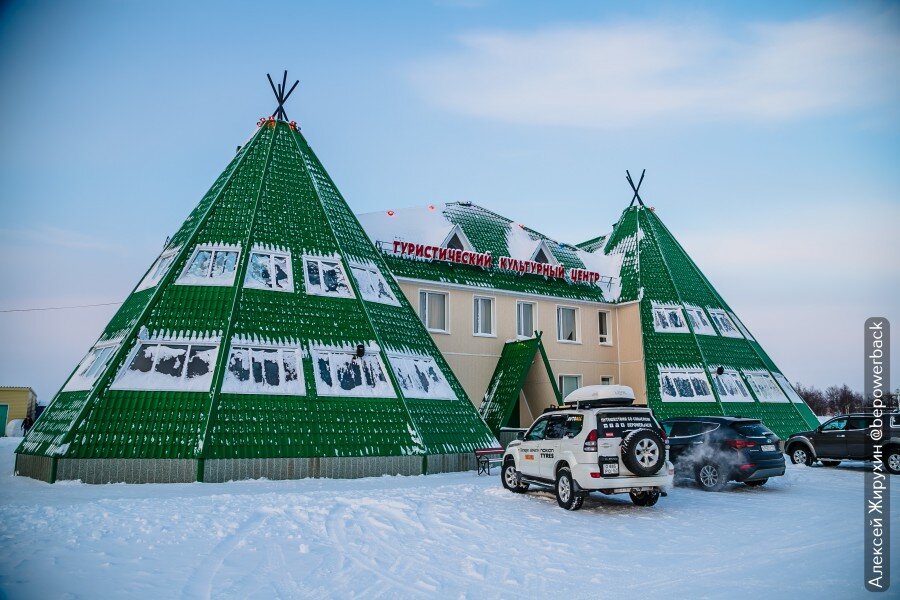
{"x": 486, "y": 457}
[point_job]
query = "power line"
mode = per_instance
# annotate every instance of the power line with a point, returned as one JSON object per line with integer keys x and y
{"x": 12, "y": 310}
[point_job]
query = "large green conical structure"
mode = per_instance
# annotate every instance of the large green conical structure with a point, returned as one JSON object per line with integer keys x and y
{"x": 267, "y": 340}
{"x": 689, "y": 333}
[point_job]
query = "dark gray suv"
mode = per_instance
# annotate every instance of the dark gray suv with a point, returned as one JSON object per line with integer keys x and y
{"x": 845, "y": 438}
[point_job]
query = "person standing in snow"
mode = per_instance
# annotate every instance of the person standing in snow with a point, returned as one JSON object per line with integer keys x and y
{"x": 27, "y": 422}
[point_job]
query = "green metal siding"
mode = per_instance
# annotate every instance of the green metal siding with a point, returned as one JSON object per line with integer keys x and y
{"x": 656, "y": 268}
{"x": 274, "y": 193}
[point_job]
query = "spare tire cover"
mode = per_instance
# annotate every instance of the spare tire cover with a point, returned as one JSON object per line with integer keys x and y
{"x": 643, "y": 452}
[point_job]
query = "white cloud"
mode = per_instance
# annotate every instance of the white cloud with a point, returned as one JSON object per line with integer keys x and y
{"x": 50, "y": 235}
{"x": 836, "y": 242}
{"x": 615, "y": 75}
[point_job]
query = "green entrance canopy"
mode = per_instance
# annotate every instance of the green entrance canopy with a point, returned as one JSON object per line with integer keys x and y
{"x": 502, "y": 394}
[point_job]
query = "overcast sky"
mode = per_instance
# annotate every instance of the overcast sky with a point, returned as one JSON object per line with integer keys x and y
{"x": 769, "y": 133}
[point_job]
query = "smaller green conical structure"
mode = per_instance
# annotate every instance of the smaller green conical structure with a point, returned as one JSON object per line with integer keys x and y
{"x": 267, "y": 339}
{"x": 699, "y": 357}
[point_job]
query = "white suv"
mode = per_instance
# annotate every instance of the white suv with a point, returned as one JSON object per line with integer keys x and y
{"x": 595, "y": 442}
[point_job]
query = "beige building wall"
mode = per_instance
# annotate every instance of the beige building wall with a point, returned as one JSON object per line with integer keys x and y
{"x": 21, "y": 401}
{"x": 474, "y": 357}
{"x": 631, "y": 351}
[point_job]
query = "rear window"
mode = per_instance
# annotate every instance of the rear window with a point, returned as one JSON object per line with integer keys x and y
{"x": 617, "y": 424}
{"x": 689, "y": 428}
{"x": 753, "y": 429}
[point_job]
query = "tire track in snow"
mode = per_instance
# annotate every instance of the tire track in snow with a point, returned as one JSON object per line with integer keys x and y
{"x": 336, "y": 528}
{"x": 200, "y": 584}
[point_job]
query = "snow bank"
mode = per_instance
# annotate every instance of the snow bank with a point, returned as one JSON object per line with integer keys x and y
{"x": 447, "y": 536}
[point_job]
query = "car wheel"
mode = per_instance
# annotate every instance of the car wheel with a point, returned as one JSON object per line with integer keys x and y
{"x": 643, "y": 452}
{"x": 757, "y": 482}
{"x": 893, "y": 461}
{"x": 644, "y": 498}
{"x": 566, "y": 495}
{"x": 801, "y": 456}
{"x": 710, "y": 477}
{"x": 511, "y": 479}
{"x": 830, "y": 463}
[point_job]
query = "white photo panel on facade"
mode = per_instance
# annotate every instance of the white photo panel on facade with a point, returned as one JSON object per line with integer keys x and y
{"x": 270, "y": 270}
{"x": 211, "y": 264}
{"x": 764, "y": 386}
{"x": 324, "y": 276}
{"x": 723, "y": 323}
{"x": 264, "y": 370}
{"x": 669, "y": 318}
{"x": 684, "y": 385}
{"x": 372, "y": 285}
{"x": 699, "y": 321}
{"x": 787, "y": 388}
{"x": 740, "y": 326}
{"x": 730, "y": 386}
{"x": 158, "y": 270}
{"x": 339, "y": 372}
{"x": 169, "y": 365}
{"x": 91, "y": 366}
{"x": 420, "y": 377}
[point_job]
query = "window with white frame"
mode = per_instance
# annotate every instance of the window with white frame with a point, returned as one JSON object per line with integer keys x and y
{"x": 372, "y": 285}
{"x": 483, "y": 313}
{"x": 270, "y": 270}
{"x": 685, "y": 385}
{"x": 764, "y": 387}
{"x": 787, "y": 388}
{"x": 730, "y": 386}
{"x": 169, "y": 366}
{"x": 340, "y": 372}
{"x": 568, "y": 384}
{"x": 325, "y": 277}
{"x": 91, "y": 366}
{"x": 264, "y": 370}
{"x": 433, "y": 311}
{"x": 454, "y": 242}
{"x": 420, "y": 377}
{"x": 698, "y": 319}
{"x": 567, "y": 324}
{"x": 740, "y": 326}
{"x": 606, "y": 381}
{"x": 525, "y": 321}
{"x": 542, "y": 254}
{"x": 159, "y": 268}
{"x": 603, "y": 328}
{"x": 723, "y": 323}
{"x": 669, "y": 318}
{"x": 210, "y": 265}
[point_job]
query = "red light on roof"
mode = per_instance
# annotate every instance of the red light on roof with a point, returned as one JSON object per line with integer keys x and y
{"x": 390, "y": 213}
{"x": 431, "y": 207}
{"x": 520, "y": 225}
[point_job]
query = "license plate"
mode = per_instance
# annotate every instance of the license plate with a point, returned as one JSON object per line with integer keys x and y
{"x": 611, "y": 469}
{"x": 768, "y": 447}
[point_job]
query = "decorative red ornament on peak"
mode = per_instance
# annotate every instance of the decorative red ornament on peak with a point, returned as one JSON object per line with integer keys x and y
{"x": 390, "y": 213}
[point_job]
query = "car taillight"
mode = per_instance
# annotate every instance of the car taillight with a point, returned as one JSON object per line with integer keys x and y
{"x": 740, "y": 444}
{"x": 590, "y": 444}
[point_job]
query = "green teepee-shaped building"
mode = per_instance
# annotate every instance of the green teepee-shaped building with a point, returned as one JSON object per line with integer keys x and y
{"x": 266, "y": 340}
{"x": 698, "y": 356}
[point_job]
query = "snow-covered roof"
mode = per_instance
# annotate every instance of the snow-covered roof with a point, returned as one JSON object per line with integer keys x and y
{"x": 489, "y": 232}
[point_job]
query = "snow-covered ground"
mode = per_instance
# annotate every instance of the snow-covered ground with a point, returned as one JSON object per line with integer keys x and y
{"x": 447, "y": 536}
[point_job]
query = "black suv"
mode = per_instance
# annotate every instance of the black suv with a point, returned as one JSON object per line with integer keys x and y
{"x": 845, "y": 437}
{"x": 717, "y": 450}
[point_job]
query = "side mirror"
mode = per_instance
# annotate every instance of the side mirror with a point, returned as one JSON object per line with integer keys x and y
{"x": 520, "y": 435}
{"x": 819, "y": 429}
